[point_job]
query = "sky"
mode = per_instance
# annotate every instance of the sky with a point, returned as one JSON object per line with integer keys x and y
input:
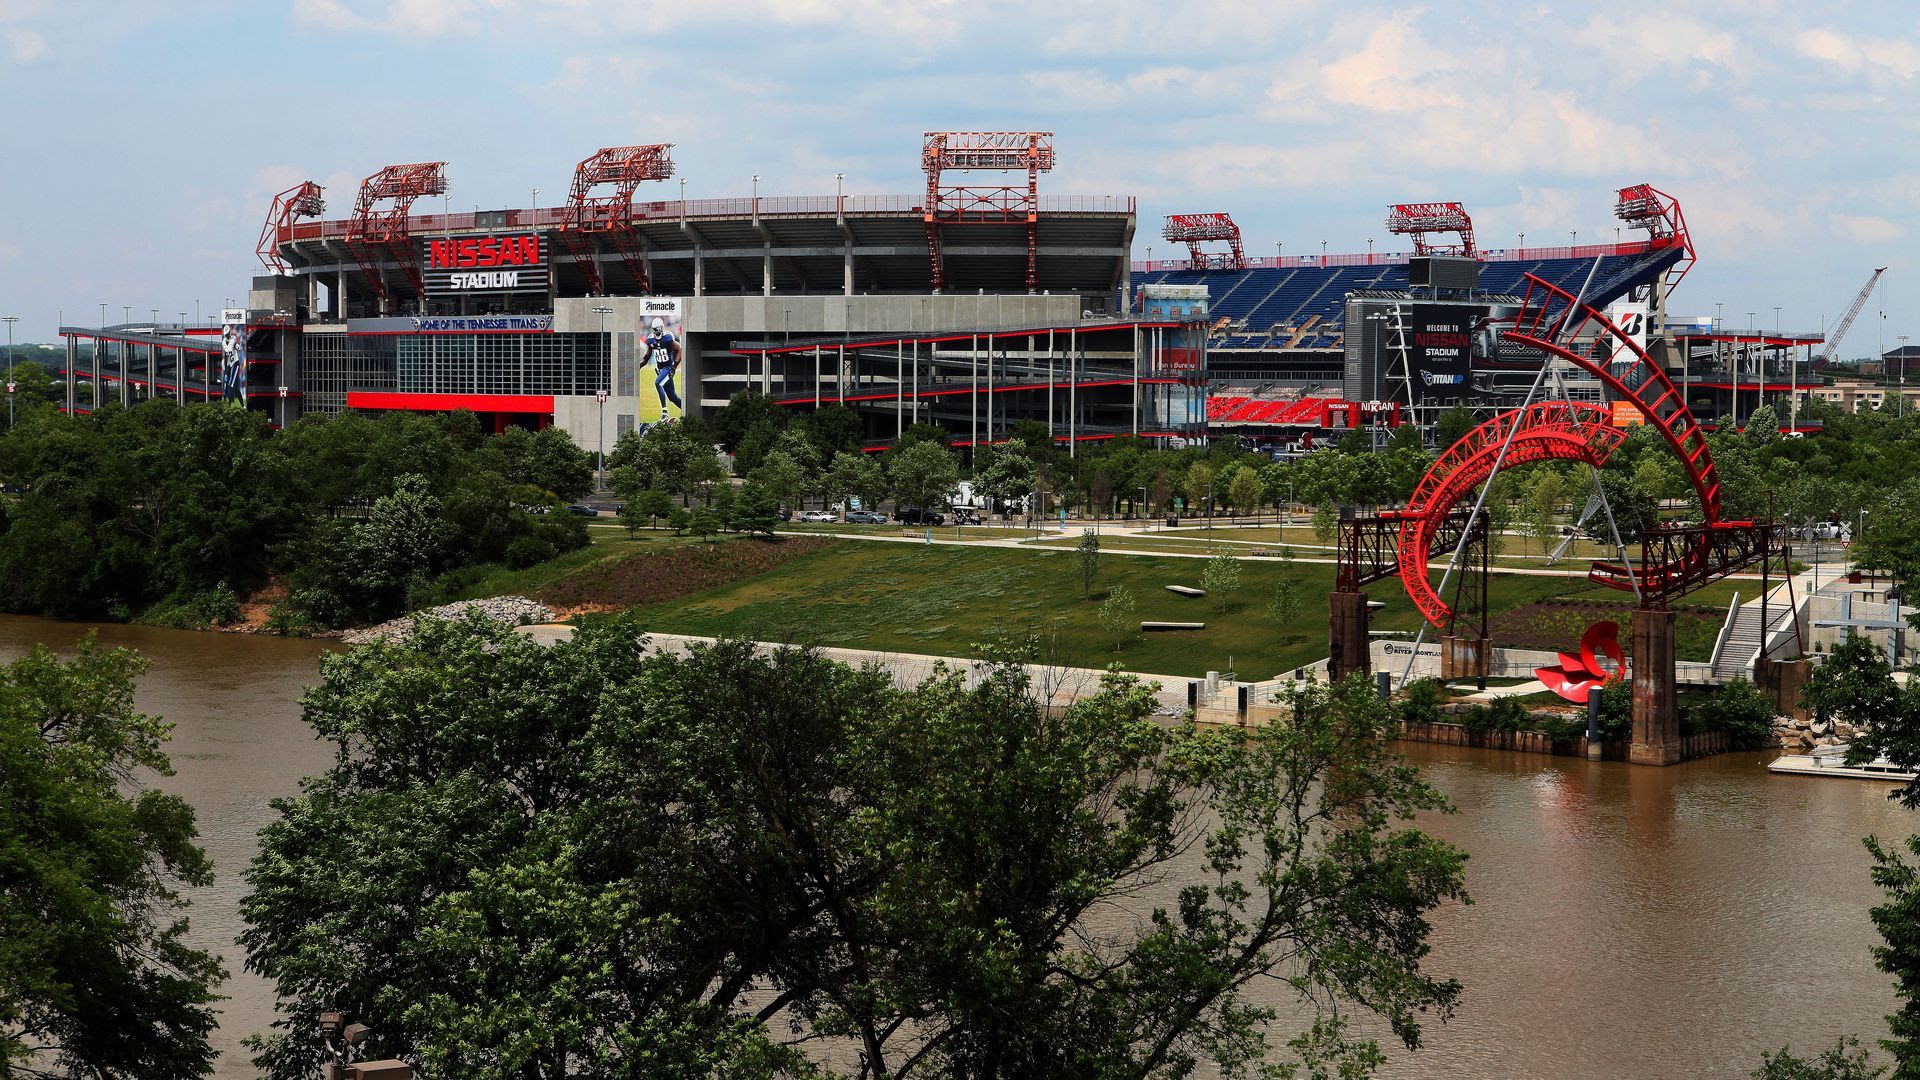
{"x": 141, "y": 143}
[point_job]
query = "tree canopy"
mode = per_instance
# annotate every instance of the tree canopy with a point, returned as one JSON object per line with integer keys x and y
{"x": 596, "y": 858}
{"x": 96, "y": 976}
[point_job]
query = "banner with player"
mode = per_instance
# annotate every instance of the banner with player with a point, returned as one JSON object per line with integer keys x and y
{"x": 233, "y": 355}
{"x": 662, "y": 360}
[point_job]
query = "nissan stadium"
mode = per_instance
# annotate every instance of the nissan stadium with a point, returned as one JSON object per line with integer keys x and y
{"x": 975, "y": 304}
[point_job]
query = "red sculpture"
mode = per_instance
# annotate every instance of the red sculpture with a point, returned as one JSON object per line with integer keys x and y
{"x": 1578, "y": 674}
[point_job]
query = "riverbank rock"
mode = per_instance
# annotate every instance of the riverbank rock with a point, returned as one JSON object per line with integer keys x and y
{"x": 510, "y": 610}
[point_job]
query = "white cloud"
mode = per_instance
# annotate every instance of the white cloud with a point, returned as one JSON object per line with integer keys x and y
{"x": 25, "y": 45}
{"x": 1877, "y": 56}
{"x": 1869, "y": 228}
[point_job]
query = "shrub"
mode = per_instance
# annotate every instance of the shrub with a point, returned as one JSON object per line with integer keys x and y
{"x": 1740, "y": 710}
{"x": 1420, "y": 702}
{"x": 1616, "y": 711}
{"x": 1562, "y": 729}
{"x": 528, "y": 550}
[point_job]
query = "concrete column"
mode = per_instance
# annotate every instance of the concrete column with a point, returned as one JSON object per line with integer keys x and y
{"x": 766, "y": 270}
{"x": 1347, "y": 645}
{"x": 73, "y": 377}
{"x": 699, "y": 272}
{"x": 1656, "y": 716}
{"x": 1464, "y": 657}
{"x": 846, "y": 287}
{"x": 340, "y": 296}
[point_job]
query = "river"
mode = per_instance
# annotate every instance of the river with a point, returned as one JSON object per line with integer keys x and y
{"x": 1628, "y": 922}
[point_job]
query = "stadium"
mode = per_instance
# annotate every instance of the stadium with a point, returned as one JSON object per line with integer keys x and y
{"x": 976, "y": 304}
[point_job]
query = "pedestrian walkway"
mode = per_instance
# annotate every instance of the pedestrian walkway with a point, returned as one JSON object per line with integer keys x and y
{"x": 1054, "y": 685}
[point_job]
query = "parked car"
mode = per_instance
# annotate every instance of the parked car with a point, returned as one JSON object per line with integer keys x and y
{"x": 819, "y": 515}
{"x": 582, "y": 509}
{"x": 915, "y": 515}
{"x": 785, "y": 514}
{"x": 866, "y": 517}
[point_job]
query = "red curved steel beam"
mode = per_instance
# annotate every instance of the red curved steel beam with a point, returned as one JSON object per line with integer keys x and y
{"x": 1548, "y": 431}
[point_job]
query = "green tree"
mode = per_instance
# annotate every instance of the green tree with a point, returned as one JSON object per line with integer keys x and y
{"x": 922, "y": 474}
{"x": 1086, "y": 556}
{"x": 1452, "y": 426}
{"x": 1004, "y": 474}
{"x": 784, "y": 478}
{"x": 395, "y": 549}
{"x": 1326, "y": 523}
{"x": 1545, "y": 496}
{"x": 706, "y": 522}
{"x": 634, "y": 516}
{"x": 96, "y": 977}
{"x": 1199, "y": 485}
{"x": 596, "y": 859}
{"x": 1845, "y": 1060}
{"x": 1221, "y": 578}
{"x": 853, "y": 473}
{"x": 1116, "y": 616}
{"x": 1244, "y": 489}
{"x": 743, "y": 412}
{"x": 754, "y": 510}
{"x": 1763, "y": 425}
{"x": 1286, "y": 604}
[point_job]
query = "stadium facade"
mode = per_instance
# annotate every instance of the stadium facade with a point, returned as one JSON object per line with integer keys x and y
{"x": 973, "y": 306}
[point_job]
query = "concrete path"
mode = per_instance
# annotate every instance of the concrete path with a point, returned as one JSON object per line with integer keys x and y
{"x": 1059, "y": 685}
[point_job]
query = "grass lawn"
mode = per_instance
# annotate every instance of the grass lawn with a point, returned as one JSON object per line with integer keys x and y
{"x": 498, "y": 579}
{"x": 941, "y": 599}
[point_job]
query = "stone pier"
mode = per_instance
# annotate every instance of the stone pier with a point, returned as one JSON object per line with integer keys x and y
{"x": 1656, "y": 715}
{"x": 1348, "y": 649}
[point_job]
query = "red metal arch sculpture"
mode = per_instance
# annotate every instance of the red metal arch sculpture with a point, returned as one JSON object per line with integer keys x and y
{"x": 1546, "y": 431}
{"x": 1674, "y": 559}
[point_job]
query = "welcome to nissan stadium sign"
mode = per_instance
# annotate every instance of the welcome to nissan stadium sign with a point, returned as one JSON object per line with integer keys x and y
{"x": 467, "y": 264}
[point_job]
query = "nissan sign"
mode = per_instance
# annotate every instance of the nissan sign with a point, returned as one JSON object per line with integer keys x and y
{"x": 461, "y": 264}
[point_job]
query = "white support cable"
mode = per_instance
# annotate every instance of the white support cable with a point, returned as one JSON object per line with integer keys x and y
{"x": 1493, "y": 476}
{"x": 1600, "y": 492}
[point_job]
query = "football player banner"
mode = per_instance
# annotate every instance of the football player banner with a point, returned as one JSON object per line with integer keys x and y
{"x": 233, "y": 355}
{"x": 662, "y": 361}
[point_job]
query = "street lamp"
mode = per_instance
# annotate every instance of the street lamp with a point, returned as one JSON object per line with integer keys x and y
{"x": 1523, "y": 241}
{"x": 756, "y": 194}
{"x": 1369, "y": 251}
{"x": 600, "y": 419}
{"x": 1575, "y": 233}
{"x": 9, "y": 320}
{"x": 838, "y": 194}
{"x": 1323, "y": 253}
{"x": 536, "y": 205}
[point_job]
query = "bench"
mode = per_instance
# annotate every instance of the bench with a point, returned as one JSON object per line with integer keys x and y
{"x": 1152, "y": 627}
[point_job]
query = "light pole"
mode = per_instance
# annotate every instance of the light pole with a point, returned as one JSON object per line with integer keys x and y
{"x": 1752, "y": 337}
{"x": 9, "y": 320}
{"x": 535, "y": 212}
{"x": 1575, "y": 233}
{"x": 600, "y": 404}
{"x": 838, "y": 192}
{"x": 1523, "y": 243}
{"x": 683, "y": 198}
{"x": 1279, "y": 252}
{"x": 1369, "y": 251}
{"x": 756, "y": 194}
{"x": 1323, "y": 253}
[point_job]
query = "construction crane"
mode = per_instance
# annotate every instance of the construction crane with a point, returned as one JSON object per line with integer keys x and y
{"x": 1846, "y": 321}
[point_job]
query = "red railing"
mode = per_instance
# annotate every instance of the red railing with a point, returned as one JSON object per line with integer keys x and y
{"x": 1388, "y": 258}
{"x": 697, "y": 209}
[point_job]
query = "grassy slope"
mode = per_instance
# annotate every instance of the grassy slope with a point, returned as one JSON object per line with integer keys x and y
{"x": 940, "y": 599}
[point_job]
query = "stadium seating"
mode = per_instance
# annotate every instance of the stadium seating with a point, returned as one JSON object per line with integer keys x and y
{"x": 1266, "y": 307}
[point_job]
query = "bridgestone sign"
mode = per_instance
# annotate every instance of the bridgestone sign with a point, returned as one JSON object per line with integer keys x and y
{"x": 467, "y": 264}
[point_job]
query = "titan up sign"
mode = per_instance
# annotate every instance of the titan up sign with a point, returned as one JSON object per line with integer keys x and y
{"x": 463, "y": 264}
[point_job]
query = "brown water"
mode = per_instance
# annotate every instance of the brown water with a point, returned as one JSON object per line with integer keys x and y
{"x": 1629, "y": 922}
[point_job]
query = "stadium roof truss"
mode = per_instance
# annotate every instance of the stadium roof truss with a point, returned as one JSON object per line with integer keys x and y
{"x": 1196, "y": 229}
{"x": 380, "y": 219}
{"x": 1424, "y": 220}
{"x": 624, "y": 169}
{"x": 980, "y": 151}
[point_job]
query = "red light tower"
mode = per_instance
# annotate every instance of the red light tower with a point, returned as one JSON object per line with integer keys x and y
{"x": 1422, "y": 220}
{"x": 625, "y": 168}
{"x": 301, "y": 200}
{"x": 1195, "y": 229}
{"x": 1644, "y": 206}
{"x": 375, "y": 229}
{"x": 968, "y": 151}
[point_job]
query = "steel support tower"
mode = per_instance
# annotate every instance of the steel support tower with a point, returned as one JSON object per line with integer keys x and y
{"x": 624, "y": 169}
{"x": 1196, "y": 229}
{"x": 379, "y": 225}
{"x": 301, "y": 200}
{"x": 979, "y": 151}
{"x": 1644, "y": 206}
{"x": 1424, "y": 220}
